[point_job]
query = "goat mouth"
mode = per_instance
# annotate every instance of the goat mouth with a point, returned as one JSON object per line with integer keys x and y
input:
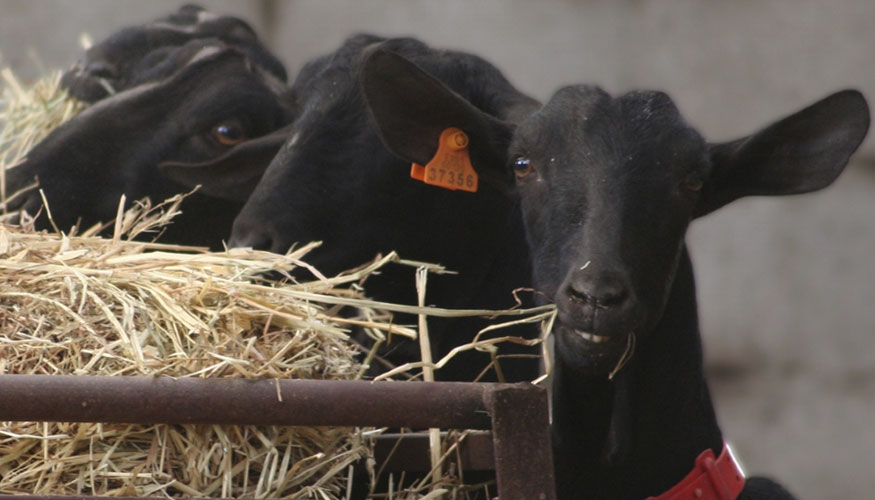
{"x": 584, "y": 344}
{"x": 600, "y": 355}
{"x": 591, "y": 337}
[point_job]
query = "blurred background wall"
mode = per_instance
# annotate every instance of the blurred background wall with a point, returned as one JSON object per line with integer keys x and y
{"x": 787, "y": 286}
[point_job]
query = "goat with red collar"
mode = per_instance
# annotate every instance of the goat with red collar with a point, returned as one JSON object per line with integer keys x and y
{"x": 607, "y": 187}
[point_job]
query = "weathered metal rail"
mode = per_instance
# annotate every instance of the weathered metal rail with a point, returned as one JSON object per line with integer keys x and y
{"x": 515, "y": 413}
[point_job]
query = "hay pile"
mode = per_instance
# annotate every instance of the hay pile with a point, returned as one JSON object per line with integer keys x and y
{"x": 85, "y": 305}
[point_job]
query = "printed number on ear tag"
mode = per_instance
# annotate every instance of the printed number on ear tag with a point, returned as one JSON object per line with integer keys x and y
{"x": 451, "y": 166}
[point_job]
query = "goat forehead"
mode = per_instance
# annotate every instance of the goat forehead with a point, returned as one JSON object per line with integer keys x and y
{"x": 648, "y": 110}
{"x": 583, "y": 126}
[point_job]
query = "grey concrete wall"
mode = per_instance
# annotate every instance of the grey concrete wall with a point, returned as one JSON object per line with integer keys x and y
{"x": 731, "y": 66}
{"x": 787, "y": 286}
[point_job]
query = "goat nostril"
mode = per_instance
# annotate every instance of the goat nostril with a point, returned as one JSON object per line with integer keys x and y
{"x": 579, "y": 296}
{"x": 603, "y": 297}
{"x": 612, "y": 297}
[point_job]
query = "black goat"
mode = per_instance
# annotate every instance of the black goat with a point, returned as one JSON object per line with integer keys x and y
{"x": 148, "y": 53}
{"x": 192, "y": 92}
{"x": 608, "y": 187}
{"x": 334, "y": 181}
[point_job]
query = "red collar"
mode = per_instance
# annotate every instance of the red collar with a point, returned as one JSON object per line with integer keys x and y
{"x": 710, "y": 479}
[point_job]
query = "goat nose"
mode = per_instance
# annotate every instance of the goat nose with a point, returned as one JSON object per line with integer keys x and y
{"x": 256, "y": 237}
{"x": 602, "y": 290}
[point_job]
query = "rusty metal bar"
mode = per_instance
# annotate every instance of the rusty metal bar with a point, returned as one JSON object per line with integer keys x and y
{"x": 521, "y": 440}
{"x": 517, "y": 414}
{"x": 68, "y": 398}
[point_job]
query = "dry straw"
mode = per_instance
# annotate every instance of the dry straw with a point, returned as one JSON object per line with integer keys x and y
{"x": 85, "y": 305}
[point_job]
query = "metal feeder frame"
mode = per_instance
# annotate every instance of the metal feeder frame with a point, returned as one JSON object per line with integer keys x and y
{"x": 516, "y": 414}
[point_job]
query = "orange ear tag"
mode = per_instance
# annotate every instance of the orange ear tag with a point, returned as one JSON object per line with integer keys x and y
{"x": 451, "y": 166}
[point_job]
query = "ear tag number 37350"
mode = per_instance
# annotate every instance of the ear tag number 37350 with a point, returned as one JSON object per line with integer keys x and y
{"x": 451, "y": 166}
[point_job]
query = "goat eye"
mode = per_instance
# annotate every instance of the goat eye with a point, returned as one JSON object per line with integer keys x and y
{"x": 228, "y": 133}
{"x": 693, "y": 183}
{"x": 522, "y": 167}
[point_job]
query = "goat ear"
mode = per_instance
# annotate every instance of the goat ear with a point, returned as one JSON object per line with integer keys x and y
{"x": 411, "y": 108}
{"x": 803, "y": 152}
{"x": 233, "y": 175}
